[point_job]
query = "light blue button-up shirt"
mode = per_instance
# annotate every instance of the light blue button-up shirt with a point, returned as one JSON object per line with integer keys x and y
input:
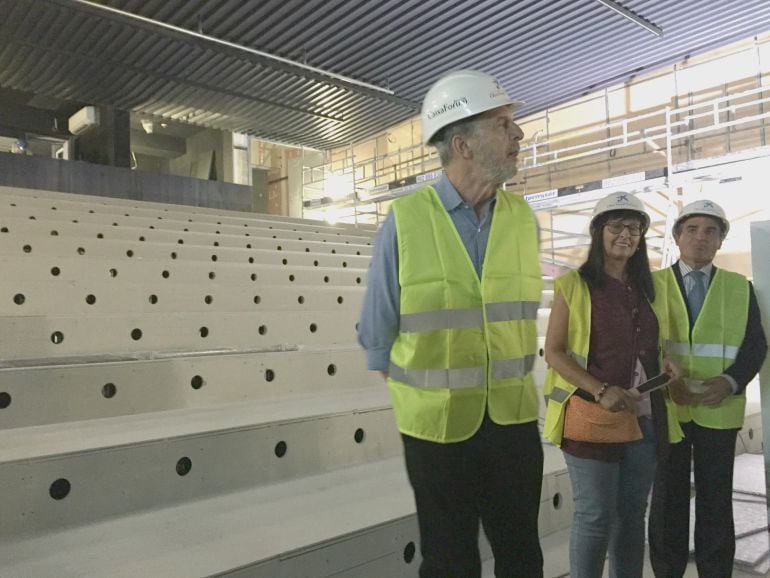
{"x": 380, "y": 313}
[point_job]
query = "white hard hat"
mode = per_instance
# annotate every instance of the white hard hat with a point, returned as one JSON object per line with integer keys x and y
{"x": 707, "y": 208}
{"x": 458, "y": 95}
{"x": 620, "y": 201}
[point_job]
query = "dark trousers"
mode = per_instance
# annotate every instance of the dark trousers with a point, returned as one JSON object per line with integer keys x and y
{"x": 495, "y": 477}
{"x": 712, "y": 453}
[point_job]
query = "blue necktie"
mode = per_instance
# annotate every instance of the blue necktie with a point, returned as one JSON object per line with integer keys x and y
{"x": 697, "y": 293}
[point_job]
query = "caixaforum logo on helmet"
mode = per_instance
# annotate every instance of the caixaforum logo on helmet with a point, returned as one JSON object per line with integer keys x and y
{"x": 446, "y": 107}
{"x": 497, "y": 92}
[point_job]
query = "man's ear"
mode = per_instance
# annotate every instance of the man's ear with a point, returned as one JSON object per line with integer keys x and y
{"x": 461, "y": 147}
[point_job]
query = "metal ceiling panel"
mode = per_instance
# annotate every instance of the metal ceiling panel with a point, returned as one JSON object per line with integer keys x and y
{"x": 543, "y": 52}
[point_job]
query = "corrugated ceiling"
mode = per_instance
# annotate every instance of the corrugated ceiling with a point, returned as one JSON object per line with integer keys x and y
{"x": 544, "y": 52}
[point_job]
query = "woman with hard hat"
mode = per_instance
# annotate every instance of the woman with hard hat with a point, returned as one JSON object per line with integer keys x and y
{"x": 602, "y": 340}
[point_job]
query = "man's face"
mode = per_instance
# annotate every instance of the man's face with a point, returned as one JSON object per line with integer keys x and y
{"x": 495, "y": 144}
{"x": 699, "y": 239}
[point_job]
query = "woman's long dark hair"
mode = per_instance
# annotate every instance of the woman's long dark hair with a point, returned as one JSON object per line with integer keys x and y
{"x": 638, "y": 266}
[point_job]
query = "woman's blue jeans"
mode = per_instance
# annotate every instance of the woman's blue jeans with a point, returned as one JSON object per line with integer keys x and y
{"x": 610, "y": 500}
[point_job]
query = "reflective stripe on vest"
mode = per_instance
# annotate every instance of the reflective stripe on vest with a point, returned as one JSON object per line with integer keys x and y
{"x": 728, "y": 352}
{"x": 459, "y": 318}
{"x": 464, "y": 376}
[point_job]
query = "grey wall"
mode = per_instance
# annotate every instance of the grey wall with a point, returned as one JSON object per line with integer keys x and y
{"x": 102, "y": 180}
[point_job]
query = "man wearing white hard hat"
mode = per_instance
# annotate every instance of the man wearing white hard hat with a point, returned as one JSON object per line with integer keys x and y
{"x": 449, "y": 318}
{"x": 713, "y": 329}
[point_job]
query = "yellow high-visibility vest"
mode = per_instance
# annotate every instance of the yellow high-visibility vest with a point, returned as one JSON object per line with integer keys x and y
{"x": 712, "y": 345}
{"x": 557, "y": 389}
{"x": 464, "y": 345}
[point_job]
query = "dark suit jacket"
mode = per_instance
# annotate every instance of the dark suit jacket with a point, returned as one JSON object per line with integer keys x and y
{"x": 754, "y": 346}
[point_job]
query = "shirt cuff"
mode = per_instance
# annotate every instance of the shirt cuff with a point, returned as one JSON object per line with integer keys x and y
{"x": 732, "y": 382}
{"x": 378, "y": 359}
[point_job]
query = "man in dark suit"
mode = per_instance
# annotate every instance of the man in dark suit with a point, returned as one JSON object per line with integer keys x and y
{"x": 711, "y": 325}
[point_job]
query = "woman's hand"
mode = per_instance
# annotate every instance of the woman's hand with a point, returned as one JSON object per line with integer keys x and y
{"x": 672, "y": 368}
{"x": 616, "y": 399}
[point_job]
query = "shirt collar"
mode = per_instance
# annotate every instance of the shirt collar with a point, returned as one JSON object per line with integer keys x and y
{"x": 449, "y": 196}
{"x": 684, "y": 269}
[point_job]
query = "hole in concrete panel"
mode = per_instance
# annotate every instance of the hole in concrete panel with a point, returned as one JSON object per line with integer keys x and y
{"x": 751, "y": 433}
{"x": 251, "y": 259}
{"x": 32, "y": 218}
{"x": 180, "y": 241}
{"x": 109, "y": 390}
{"x": 269, "y": 375}
{"x": 313, "y": 328}
{"x": 253, "y": 276}
{"x": 173, "y": 255}
{"x": 212, "y": 275}
{"x": 262, "y": 331}
{"x": 204, "y": 331}
{"x": 326, "y": 278}
{"x": 409, "y": 552}
{"x": 81, "y": 251}
{"x": 59, "y": 489}
{"x": 27, "y": 248}
{"x": 307, "y": 249}
{"x": 291, "y": 277}
{"x": 285, "y": 261}
{"x": 315, "y": 263}
{"x": 216, "y": 243}
{"x": 141, "y": 238}
{"x": 166, "y": 274}
{"x": 208, "y": 299}
{"x": 5, "y": 399}
{"x": 541, "y": 352}
{"x": 19, "y": 299}
{"x": 100, "y": 235}
{"x": 344, "y": 263}
{"x": 358, "y": 280}
{"x": 300, "y": 299}
{"x": 153, "y": 299}
{"x": 257, "y": 299}
{"x": 334, "y": 251}
{"x": 90, "y": 299}
{"x": 197, "y": 382}
{"x": 129, "y": 253}
{"x": 280, "y": 449}
{"x": 55, "y": 271}
{"x": 136, "y": 334}
{"x": 54, "y": 233}
{"x": 183, "y": 466}
{"x": 557, "y": 500}
{"x": 279, "y": 248}
{"x": 214, "y": 257}
{"x": 113, "y": 272}
{"x": 358, "y": 252}
{"x": 4, "y": 230}
{"x": 332, "y": 369}
{"x": 359, "y": 435}
{"x": 248, "y": 245}
{"x": 57, "y": 337}
{"x": 340, "y": 299}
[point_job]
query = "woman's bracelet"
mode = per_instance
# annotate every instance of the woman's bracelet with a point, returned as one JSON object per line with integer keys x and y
{"x": 598, "y": 395}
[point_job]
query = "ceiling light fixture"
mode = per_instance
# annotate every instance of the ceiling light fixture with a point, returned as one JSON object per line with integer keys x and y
{"x": 632, "y": 16}
{"x": 311, "y": 70}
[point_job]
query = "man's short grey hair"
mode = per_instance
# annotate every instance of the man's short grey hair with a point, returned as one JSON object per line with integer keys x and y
{"x": 443, "y": 139}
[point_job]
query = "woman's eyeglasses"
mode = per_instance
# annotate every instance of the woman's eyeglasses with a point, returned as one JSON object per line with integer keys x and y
{"x": 616, "y": 228}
